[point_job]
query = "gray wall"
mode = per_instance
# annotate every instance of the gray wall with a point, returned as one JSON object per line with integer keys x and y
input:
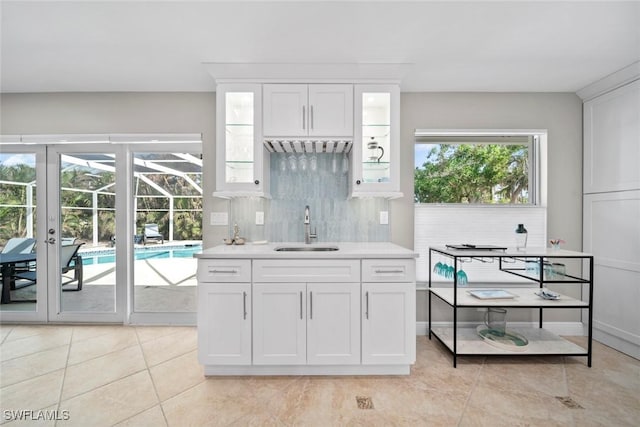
{"x": 130, "y": 112}
{"x": 559, "y": 113}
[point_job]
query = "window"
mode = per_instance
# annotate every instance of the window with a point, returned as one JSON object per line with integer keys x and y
{"x": 476, "y": 187}
{"x": 475, "y": 169}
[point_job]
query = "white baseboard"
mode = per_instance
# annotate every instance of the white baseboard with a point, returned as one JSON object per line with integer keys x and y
{"x": 558, "y": 328}
{"x": 617, "y": 338}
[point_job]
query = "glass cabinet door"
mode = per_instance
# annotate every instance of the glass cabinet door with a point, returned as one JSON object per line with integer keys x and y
{"x": 376, "y": 145}
{"x": 376, "y": 135}
{"x": 239, "y": 151}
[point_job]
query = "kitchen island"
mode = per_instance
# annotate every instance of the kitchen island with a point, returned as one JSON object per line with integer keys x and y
{"x": 296, "y": 309}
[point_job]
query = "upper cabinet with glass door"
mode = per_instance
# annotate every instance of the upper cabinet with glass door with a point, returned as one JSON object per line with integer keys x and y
{"x": 314, "y": 110}
{"x": 376, "y": 150}
{"x": 242, "y": 162}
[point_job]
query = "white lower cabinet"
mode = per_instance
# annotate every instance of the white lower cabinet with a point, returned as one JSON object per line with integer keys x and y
{"x": 306, "y": 316}
{"x": 224, "y": 323}
{"x": 333, "y": 324}
{"x": 388, "y": 323}
{"x": 279, "y": 324}
{"x": 300, "y": 323}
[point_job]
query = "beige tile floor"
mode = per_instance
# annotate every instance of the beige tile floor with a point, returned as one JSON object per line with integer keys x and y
{"x": 150, "y": 376}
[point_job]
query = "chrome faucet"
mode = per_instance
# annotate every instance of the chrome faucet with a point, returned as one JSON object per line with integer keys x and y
{"x": 308, "y": 235}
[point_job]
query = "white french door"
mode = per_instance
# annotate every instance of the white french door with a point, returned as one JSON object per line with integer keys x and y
{"x": 82, "y": 217}
{"x": 86, "y": 205}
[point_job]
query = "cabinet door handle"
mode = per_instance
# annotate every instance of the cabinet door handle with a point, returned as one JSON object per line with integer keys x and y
{"x": 224, "y": 271}
{"x": 244, "y": 304}
{"x": 366, "y": 310}
{"x": 310, "y": 305}
{"x": 311, "y": 119}
{"x": 388, "y": 271}
{"x": 300, "y": 304}
{"x": 303, "y": 117}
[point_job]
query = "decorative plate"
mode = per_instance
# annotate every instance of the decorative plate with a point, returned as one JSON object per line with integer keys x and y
{"x": 511, "y": 340}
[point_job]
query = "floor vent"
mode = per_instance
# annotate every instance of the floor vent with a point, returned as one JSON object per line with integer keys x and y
{"x": 569, "y": 402}
{"x": 364, "y": 402}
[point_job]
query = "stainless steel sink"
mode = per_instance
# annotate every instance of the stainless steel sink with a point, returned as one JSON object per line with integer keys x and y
{"x": 306, "y": 248}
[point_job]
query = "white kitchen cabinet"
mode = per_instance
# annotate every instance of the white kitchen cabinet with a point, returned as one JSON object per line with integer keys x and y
{"x": 242, "y": 163}
{"x": 300, "y": 110}
{"x": 308, "y": 313}
{"x": 388, "y": 323}
{"x": 333, "y": 323}
{"x": 314, "y": 323}
{"x": 375, "y": 156}
{"x": 279, "y": 324}
{"x": 611, "y": 213}
{"x": 224, "y": 323}
{"x": 611, "y": 140}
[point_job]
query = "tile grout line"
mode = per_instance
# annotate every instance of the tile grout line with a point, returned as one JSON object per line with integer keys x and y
{"x": 64, "y": 375}
{"x": 471, "y": 391}
{"x": 7, "y": 336}
{"x": 566, "y": 386}
{"x": 155, "y": 390}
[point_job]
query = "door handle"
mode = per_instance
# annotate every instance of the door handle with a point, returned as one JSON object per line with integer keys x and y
{"x": 303, "y": 116}
{"x": 311, "y": 118}
{"x": 366, "y": 312}
{"x": 51, "y": 241}
{"x": 244, "y": 304}
{"x": 310, "y": 305}
{"x": 300, "y": 304}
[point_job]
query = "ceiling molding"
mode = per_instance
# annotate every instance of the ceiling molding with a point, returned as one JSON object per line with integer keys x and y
{"x": 612, "y": 81}
{"x": 307, "y": 72}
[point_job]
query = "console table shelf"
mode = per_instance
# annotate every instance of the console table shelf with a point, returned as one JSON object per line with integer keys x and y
{"x": 464, "y": 340}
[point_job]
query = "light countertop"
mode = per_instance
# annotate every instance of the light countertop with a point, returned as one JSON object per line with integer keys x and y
{"x": 352, "y": 250}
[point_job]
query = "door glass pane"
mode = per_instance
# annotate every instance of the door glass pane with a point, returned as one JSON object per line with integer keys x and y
{"x": 168, "y": 206}
{"x": 18, "y": 231}
{"x": 376, "y": 134}
{"x": 239, "y": 134}
{"x": 87, "y": 229}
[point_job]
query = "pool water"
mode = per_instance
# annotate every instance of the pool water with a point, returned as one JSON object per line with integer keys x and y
{"x": 106, "y": 256}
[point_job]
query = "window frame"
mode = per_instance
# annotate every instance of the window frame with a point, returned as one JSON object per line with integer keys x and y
{"x": 535, "y": 139}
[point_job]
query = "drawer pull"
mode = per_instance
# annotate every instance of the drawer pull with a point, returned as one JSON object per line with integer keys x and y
{"x": 223, "y": 271}
{"x": 244, "y": 304}
{"x": 366, "y": 297}
{"x": 389, "y": 271}
{"x": 310, "y": 305}
{"x": 300, "y": 304}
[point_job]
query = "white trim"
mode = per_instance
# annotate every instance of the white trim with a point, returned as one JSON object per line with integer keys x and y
{"x": 104, "y": 138}
{"x": 478, "y": 132}
{"x": 308, "y": 370}
{"x": 611, "y": 82}
{"x": 224, "y": 72}
{"x": 632, "y": 348}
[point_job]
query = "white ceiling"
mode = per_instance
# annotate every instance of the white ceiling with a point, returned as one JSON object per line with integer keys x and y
{"x": 53, "y": 46}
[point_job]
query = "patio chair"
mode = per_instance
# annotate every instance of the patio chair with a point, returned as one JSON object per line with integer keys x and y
{"x": 19, "y": 245}
{"x": 70, "y": 261}
{"x": 151, "y": 233}
{"x": 66, "y": 241}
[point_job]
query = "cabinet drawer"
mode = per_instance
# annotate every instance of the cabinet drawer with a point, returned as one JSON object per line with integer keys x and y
{"x": 312, "y": 270}
{"x": 388, "y": 270}
{"x": 224, "y": 270}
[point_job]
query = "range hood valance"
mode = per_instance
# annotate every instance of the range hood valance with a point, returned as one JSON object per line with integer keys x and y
{"x": 308, "y": 145}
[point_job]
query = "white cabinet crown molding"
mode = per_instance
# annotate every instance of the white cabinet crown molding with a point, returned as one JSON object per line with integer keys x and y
{"x": 277, "y": 72}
